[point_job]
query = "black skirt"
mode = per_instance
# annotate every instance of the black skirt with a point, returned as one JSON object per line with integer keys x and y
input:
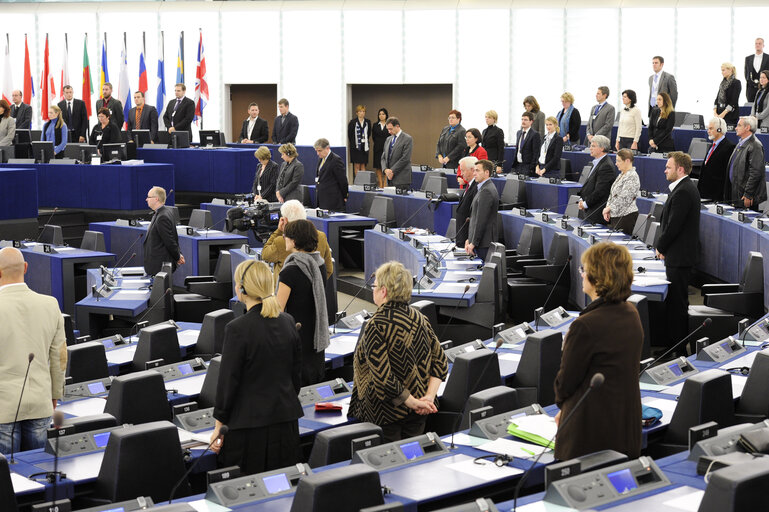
{"x": 261, "y": 448}
{"x": 358, "y": 156}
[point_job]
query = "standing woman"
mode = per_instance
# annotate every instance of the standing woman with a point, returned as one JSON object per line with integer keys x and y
{"x": 105, "y": 132}
{"x": 7, "y": 124}
{"x": 379, "y": 135}
{"x": 451, "y": 142}
{"x": 610, "y": 418}
{"x": 473, "y": 148}
{"x": 727, "y": 104}
{"x": 266, "y": 176}
{"x": 661, "y": 124}
{"x": 760, "y": 107}
{"x": 549, "y": 160}
{"x": 494, "y": 140}
{"x": 261, "y": 358}
{"x": 530, "y": 104}
{"x": 302, "y": 294}
{"x": 358, "y": 134}
{"x": 629, "y": 129}
{"x": 569, "y": 119}
{"x": 621, "y": 211}
{"x": 290, "y": 174}
{"x": 55, "y": 129}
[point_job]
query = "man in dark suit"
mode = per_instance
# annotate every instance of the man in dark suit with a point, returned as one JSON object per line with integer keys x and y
{"x": 286, "y": 125}
{"x": 747, "y": 177}
{"x": 142, "y": 117}
{"x": 462, "y": 214}
{"x": 396, "y": 157}
{"x": 716, "y": 165}
{"x": 528, "y": 141}
{"x": 74, "y": 113}
{"x": 21, "y": 112}
{"x": 483, "y": 212}
{"x": 115, "y": 106}
{"x": 330, "y": 178}
{"x": 161, "y": 243}
{"x": 678, "y": 243}
{"x": 179, "y": 112}
{"x": 754, "y": 65}
{"x": 254, "y": 129}
{"x": 595, "y": 191}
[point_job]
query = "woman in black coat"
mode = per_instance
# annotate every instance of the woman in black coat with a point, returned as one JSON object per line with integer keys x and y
{"x": 358, "y": 135}
{"x": 379, "y": 135}
{"x": 727, "y": 104}
{"x": 494, "y": 140}
{"x": 105, "y": 132}
{"x": 661, "y": 123}
{"x": 266, "y": 177}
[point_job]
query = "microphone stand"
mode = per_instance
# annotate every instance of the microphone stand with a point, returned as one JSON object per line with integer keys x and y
{"x": 46, "y": 223}
{"x": 427, "y": 202}
{"x": 222, "y": 432}
{"x": 443, "y": 331}
{"x": 162, "y": 299}
{"x": 31, "y": 357}
{"x": 706, "y": 323}
{"x": 552, "y": 290}
{"x": 343, "y": 313}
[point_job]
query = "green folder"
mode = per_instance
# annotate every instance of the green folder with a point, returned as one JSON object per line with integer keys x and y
{"x": 513, "y": 429}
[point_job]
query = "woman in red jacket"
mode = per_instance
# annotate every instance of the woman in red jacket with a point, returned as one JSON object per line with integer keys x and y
{"x": 474, "y": 148}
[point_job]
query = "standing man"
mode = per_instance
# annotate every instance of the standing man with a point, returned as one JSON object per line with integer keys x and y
{"x": 179, "y": 112}
{"x": 142, "y": 117}
{"x": 161, "y": 243}
{"x": 396, "y": 157}
{"x": 601, "y": 118}
{"x": 661, "y": 81}
{"x": 747, "y": 178}
{"x": 330, "y": 178}
{"x": 754, "y": 65}
{"x": 462, "y": 213}
{"x": 21, "y": 112}
{"x": 483, "y": 212}
{"x": 713, "y": 173}
{"x": 526, "y": 147}
{"x": 254, "y": 129}
{"x": 595, "y": 191}
{"x": 32, "y": 327}
{"x": 286, "y": 125}
{"x": 678, "y": 244}
{"x": 114, "y": 106}
{"x": 74, "y": 114}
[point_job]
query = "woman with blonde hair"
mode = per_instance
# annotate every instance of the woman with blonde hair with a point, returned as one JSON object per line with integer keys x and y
{"x": 549, "y": 159}
{"x": 55, "y": 130}
{"x": 661, "y": 123}
{"x": 569, "y": 119}
{"x": 290, "y": 174}
{"x": 260, "y": 365}
{"x": 358, "y": 135}
{"x": 266, "y": 176}
{"x": 727, "y": 104}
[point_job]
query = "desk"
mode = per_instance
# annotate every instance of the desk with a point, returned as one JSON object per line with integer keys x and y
{"x": 305, "y": 154}
{"x": 18, "y": 203}
{"x": 406, "y": 207}
{"x": 331, "y": 226}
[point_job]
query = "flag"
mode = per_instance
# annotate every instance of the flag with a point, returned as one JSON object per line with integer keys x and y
{"x": 161, "y": 101}
{"x": 64, "y": 69}
{"x": 87, "y": 85}
{"x": 142, "y": 70}
{"x": 104, "y": 78}
{"x": 124, "y": 89}
{"x": 29, "y": 85}
{"x": 201, "y": 81}
{"x": 180, "y": 61}
{"x": 47, "y": 85}
{"x": 7, "y": 79}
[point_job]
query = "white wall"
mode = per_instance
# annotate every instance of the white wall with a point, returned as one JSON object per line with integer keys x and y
{"x": 493, "y": 53}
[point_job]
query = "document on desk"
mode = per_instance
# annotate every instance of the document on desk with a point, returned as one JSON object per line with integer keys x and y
{"x": 510, "y": 356}
{"x": 518, "y": 449}
{"x": 185, "y": 436}
{"x": 131, "y": 295}
{"x": 82, "y": 467}
{"x": 543, "y": 506}
{"x": 656, "y": 265}
{"x": 540, "y": 425}
{"x": 689, "y": 502}
{"x": 455, "y": 288}
{"x": 187, "y": 385}
{"x": 24, "y": 484}
{"x": 746, "y": 360}
{"x": 188, "y": 337}
{"x": 484, "y": 469}
{"x": 207, "y": 506}
{"x": 342, "y": 344}
{"x": 133, "y": 284}
{"x": 85, "y": 407}
{"x": 209, "y": 232}
{"x": 644, "y": 280}
{"x": 121, "y": 355}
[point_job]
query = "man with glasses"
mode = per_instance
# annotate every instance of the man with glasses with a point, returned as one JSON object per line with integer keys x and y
{"x": 161, "y": 243}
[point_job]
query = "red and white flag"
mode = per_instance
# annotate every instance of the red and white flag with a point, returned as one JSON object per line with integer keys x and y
{"x": 64, "y": 69}
{"x": 201, "y": 81}
{"x": 47, "y": 85}
{"x": 7, "y": 78}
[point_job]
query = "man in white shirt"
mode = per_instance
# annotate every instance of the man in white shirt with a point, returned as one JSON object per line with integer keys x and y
{"x": 754, "y": 64}
{"x": 661, "y": 81}
{"x": 254, "y": 129}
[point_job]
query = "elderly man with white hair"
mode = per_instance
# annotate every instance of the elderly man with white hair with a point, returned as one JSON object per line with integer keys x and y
{"x": 462, "y": 214}
{"x": 596, "y": 188}
{"x": 274, "y": 250}
{"x": 716, "y": 164}
{"x": 746, "y": 173}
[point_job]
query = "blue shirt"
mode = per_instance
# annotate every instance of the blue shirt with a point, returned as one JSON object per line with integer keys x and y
{"x": 50, "y": 134}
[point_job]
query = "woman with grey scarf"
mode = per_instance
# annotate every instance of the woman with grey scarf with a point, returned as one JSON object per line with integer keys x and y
{"x": 727, "y": 104}
{"x": 302, "y": 294}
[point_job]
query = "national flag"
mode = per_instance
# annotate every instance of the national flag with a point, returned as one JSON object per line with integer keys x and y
{"x": 161, "y": 101}
{"x": 104, "y": 77}
{"x": 47, "y": 85}
{"x": 180, "y": 61}
{"x": 124, "y": 89}
{"x": 64, "y": 69}
{"x": 29, "y": 84}
{"x": 7, "y": 78}
{"x": 142, "y": 70}
{"x": 201, "y": 81}
{"x": 87, "y": 85}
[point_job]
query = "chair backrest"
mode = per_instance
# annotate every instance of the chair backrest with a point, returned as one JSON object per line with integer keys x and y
{"x": 754, "y": 399}
{"x": 7, "y": 494}
{"x": 223, "y": 269}
{"x": 211, "y": 337}
{"x": 500, "y": 284}
{"x": 201, "y": 219}
{"x": 142, "y": 460}
{"x": 656, "y": 210}
{"x": 500, "y": 398}
{"x": 207, "y": 396}
{"x": 368, "y": 200}
{"x": 565, "y": 168}
{"x": 652, "y": 235}
{"x": 93, "y": 241}
{"x": 641, "y": 226}
{"x": 753, "y": 274}
{"x": 585, "y": 173}
{"x": 306, "y": 197}
{"x": 451, "y": 230}
{"x": 69, "y": 329}
{"x": 690, "y": 119}
{"x": 471, "y": 372}
{"x": 92, "y": 422}
{"x": 530, "y": 241}
{"x": 436, "y": 184}
{"x": 680, "y": 117}
{"x": 514, "y": 191}
{"x": 641, "y": 304}
{"x": 706, "y": 396}
{"x": 87, "y": 361}
{"x": 157, "y": 342}
{"x": 698, "y": 148}
{"x": 52, "y": 235}
{"x": 427, "y": 308}
{"x": 161, "y": 292}
{"x": 344, "y": 489}
{"x": 335, "y": 444}
{"x": 736, "y": 488}
{"x": 559, "y": 249}
{"x": 487, "y": 287}
{"x": 428, "y": 175}
{"x": 538, "y": 367}
{"x": 138, "y": 397}
{"x": 365, "y": 178}
{"x": 175, "y": 212}
{"x": 572, "y": 209}
{"x": 383, "y": 210}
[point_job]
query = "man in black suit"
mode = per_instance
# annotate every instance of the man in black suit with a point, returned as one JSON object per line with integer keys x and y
{"x": 330, "y": 178}
{"x": 462, "y": 214}
{"x": 754, "y": 65}
{"x": 595, "y": 191}
{"x": 74, "y": 114}
{"x": 115, "y": 106}
{"x": 747, "y": 177}
{"x": 713, "y": 173}
{"x": 161, "y": 243}
{"x": 254, "y": 129}
{"x": 21, "y": 112}
{"x": 142, "y": 117}
{"x": 678, "y": 243}
{"x": 286, "y": 125}
{"x": 526, "y": 147}
{"x": 483, "y": 212}
{"x": 179, "y": 112}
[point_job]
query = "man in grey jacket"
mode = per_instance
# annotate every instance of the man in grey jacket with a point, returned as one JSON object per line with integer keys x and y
{"x": 661, "y": 81}
{"x": 396, "y": 157}
{"x": 601, "y": 117}
{"x": 747, "y": 179}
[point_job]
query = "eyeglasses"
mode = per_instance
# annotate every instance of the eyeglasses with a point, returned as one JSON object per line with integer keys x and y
{"x": 582, "y": 270}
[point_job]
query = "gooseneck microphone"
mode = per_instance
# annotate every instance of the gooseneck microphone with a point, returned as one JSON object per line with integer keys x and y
{"x": 343, "y": 313}
{"x": 443, "y": 331}
{"x": 222, "y": 432}
{"x": 552, "y": 290}
{"x": 427, "y": 202}
{"x": 31, "y": 357}
{"x": 160, "y": 301}
{"x": 595, "y": 382}
{"x": 120, "y": 260}
{"x": 704, "y": 324}
{"x": 46, "y": 223}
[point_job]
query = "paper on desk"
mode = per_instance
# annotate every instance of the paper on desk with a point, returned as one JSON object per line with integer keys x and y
{"x": 66, "y": 249}
{"x": 463, "y": 439}
{"x": 121, "y": 355}
{"x": 646, "y": 280}
{"x": 131, "y": 295}
{"x": 746, "y": 360}
{"x": 207, "y": 506}
{"x": 510, "y": 356}
{"x": 185, "y": 436}
{"x": 649, "y": 264}
{"x": 187, "y": 385}
{"x": 22, "y": 484}
{"x": 688, "y": 502}
{"x": 85, "y": 407}
{"x": 518, "y": 449}
{"x": 188, "y": 337}
{"x": 543, "y": 506}
{"x": 456, "y": 288}
{"x": 540, "y": 424}
{"x": 342, "y": 344}
{"x": 484, "y": 469}
{"x": 645, "y": 386}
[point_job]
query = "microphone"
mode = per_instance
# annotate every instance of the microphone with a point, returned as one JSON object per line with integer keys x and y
{"x": 222, "y": 432}
{"x": 118, "y": 262}
{"x": 467, "y": 221}
{"x": 599, "y": 209}
{"x": 31, "y": 357}
{"x": 595, "y": 382}
{"x": 117, "y": 270}
{"x": 406, "y": 222}
{"x": 58, "y": 420}
{"x": 136, "y": 325}
{"x": 46, "y": 223}
{"x": 214, "y": 225}
{"x": 634, "y": 235}
{"x": 443, "y": 331}
{"x": 343, "y": 313}
{"x": 706, "y": 323}
{"x": 552, "y": 290}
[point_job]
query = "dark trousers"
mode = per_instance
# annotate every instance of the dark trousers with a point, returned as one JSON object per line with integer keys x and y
{"x": 677, "y": 305}
{"x": 410, "y": 426}
{"x": 481, "y": 252}
{"x": 261, "y": 449}
{"x": 625, "y": 142}
{"x": 626, "y": 223}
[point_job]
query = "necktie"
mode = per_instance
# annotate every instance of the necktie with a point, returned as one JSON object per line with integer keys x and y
{"x": 282, "y": 120}
{"x": 712, "y": 148}
{"x": 597, "y": 109}
{"x": 653, "y": 98}
{"x": 138, "y": 117}
{"x": 176, "y": 105}
{"x": 731, "y": 164}
{"x": 13, "y": 110}
{"x": 69, "y": 111}
{"x": 390, "y": 151}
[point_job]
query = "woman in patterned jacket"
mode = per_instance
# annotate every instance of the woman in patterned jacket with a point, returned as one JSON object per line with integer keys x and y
{"x": 621, "y": 211}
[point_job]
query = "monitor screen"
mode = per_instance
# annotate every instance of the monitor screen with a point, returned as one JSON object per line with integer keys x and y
{"x": 96, "y": 387}
{"x": 412, "y": 450}
{"x": 185, "y": 369}
{"x": 275, "y": 216}
{"x": 101, "y": 439}
{"x": 276, "y": 483}
{"x": 325, "y": 391}
{"x": 623, "y": 481}
{"x": 675, "y": 369}
{"x": 727, "y": 347}
{"x": 114, "y": 152}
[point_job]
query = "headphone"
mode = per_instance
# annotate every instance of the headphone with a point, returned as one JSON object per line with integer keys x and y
{"x": 739, "y": 370}
{"x": 243, "y": 278}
